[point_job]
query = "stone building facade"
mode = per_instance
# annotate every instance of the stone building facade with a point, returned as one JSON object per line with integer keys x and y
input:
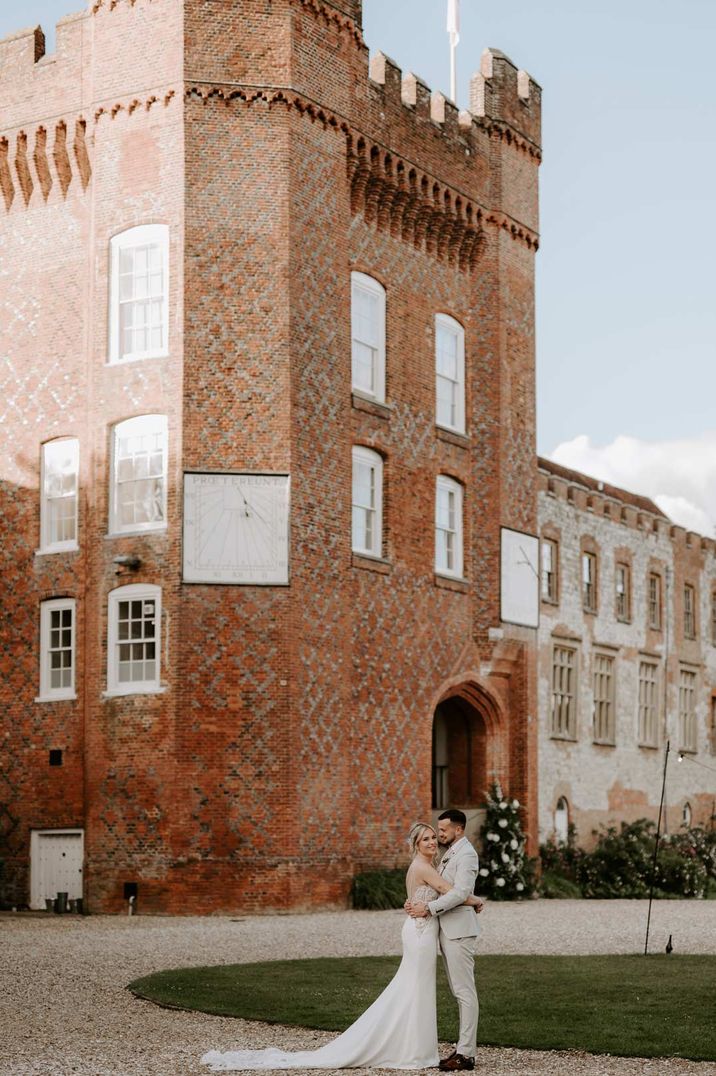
{"x": 627, "y": 660}
{"x": 235, "y": 256}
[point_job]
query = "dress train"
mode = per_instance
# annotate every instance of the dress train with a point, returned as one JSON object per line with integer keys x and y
{"x": 398, "y": 1031}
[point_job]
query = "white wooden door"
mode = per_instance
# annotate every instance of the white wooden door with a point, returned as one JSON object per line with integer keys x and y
{"x": 55, "y": 864}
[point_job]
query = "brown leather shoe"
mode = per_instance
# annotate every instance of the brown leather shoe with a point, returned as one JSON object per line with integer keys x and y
{"x": 457, "y": 1063}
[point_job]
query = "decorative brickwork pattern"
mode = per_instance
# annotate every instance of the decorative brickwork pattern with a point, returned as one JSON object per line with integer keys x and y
{"x": 289, "y": 739}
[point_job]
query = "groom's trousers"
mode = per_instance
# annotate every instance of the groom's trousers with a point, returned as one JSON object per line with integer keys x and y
{"x": 459, "y": 960}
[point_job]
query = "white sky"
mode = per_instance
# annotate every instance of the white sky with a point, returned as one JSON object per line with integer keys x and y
{"x": 626, "y": 343}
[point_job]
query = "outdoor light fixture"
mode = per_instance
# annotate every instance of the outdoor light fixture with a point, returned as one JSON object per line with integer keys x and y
{"x": 129, "y": 561}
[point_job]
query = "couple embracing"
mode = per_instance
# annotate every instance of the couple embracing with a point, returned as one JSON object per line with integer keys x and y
{"x": 399, "y": 1030}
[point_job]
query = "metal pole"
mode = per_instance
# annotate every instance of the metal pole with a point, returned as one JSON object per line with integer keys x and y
{"x": 656, "y": 849}
{"x": 453, "y": 73}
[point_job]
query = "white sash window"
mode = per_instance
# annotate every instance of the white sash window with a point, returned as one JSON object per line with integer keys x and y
{"x": 57, "y": 649}
{"x": 367, "y": 501}
{"x": 448, "y": 526}
{"x": 139, "y": 474}
{"x": 368, "y": 336}
{"x": 139, "y": 293}
{"x": 449, "y": 373}
{"x": 58, "y": 509}
{"x": 134, "y": 640}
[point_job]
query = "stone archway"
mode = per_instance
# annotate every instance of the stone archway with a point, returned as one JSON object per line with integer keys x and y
{"x": 464, "y": 752}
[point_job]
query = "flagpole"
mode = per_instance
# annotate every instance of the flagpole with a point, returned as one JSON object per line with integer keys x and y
{"x": 453, "y": 29}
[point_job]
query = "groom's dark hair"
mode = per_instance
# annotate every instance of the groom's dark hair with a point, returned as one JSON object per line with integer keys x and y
{"x": 454, "y": 816}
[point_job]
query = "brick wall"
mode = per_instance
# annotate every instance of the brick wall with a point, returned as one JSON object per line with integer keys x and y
{"x": 291, "y": 741}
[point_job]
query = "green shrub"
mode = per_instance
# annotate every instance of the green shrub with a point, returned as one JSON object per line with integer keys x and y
{"x": 379, "y": 890}
{"x": 622, "y": 861}
{"x": 554, "y": 886}
{"x": 561, "y": 859}
{"x": 700, "y": 843}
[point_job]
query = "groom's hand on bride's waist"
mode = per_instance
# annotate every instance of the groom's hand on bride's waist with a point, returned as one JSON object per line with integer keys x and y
{"x": 417, "y": 909}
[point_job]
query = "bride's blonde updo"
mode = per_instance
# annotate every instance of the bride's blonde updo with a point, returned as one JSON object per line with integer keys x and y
{"x": 416, "y": 831}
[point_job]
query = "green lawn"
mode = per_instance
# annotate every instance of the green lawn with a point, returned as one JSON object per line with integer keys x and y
{"x": 656, "y": 1006}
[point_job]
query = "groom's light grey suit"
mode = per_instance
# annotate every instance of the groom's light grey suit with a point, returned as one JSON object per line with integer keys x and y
{"x": 458, "y": 930}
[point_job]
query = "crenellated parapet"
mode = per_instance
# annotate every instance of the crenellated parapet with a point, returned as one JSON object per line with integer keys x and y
{"x": 631, "y": 510}
{"x": 445, "y": 205}
{"x": 510, "y": 98}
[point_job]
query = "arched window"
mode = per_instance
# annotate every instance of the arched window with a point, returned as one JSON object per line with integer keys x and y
{"x": 449, "y": 373}
{"x": 561, "y": 820}
{"x": 138, "y": 494}
{"x": 139, "y": 293}
{"x": 367, "y": 502}
{"x": 448, "y": 526}
{"x": 58, "y": 503}
{"x": 368, "y": 336}
{"x": 134, "y": 644}
{"x": 686, "y": 815}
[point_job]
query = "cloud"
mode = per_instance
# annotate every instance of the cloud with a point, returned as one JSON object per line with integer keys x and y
{"x": 680, "y": 476}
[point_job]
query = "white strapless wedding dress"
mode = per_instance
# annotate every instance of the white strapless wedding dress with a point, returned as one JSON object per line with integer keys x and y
{"x": 398, "y": 1031}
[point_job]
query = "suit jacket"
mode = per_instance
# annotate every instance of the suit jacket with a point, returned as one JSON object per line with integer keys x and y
{"x": 458, "y": 867}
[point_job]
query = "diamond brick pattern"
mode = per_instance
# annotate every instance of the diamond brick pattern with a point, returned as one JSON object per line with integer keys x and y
{"x": 289, "y": 744}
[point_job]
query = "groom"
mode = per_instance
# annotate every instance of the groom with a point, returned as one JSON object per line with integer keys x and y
{"x": 458, "y": 931}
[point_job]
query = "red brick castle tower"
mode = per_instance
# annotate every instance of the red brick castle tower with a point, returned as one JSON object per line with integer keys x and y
{"x": 268, "y": 368}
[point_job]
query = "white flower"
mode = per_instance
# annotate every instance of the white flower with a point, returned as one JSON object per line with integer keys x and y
{"x": 505, "y": 857}
{"x": 503, "y": 806}
{"x": 513, "y": 843}
{"x": 484, "y": 872}
{"x": 502, "y": 823}
{"x": 515, "y": 804}
{"x": 493, "y": 864}
{"x": 492, "y": 837}
{"x": 500, "y": 881}
{"x": 519, "y": 887}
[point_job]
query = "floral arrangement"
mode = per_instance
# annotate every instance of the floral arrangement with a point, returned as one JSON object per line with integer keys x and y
{"x": 505, "y": 871}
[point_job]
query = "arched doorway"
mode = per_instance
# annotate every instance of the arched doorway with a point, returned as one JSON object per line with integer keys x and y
{"x": 459, "y": 760}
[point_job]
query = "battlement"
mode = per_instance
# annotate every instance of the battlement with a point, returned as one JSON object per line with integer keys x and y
{"x": 36, "y": 87}
{"x": 498, "y": 93}
{"x": 435, "y": 184}
{"x": 631, "y": 510}
{"x": 501, "y": 92}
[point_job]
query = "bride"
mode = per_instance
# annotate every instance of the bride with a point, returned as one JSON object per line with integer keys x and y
{"x": 399, "y": 1030}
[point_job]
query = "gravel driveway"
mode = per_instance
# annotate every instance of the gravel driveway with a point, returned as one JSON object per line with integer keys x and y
{"x": 65, "y": 1010}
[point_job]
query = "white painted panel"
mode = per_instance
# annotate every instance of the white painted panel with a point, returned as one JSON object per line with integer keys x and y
{"x": 519, "y": 578}
{"x": 55, "y": 865}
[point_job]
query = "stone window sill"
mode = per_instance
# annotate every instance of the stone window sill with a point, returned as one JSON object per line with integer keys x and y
{"x": 371, "y": 407}
{"x": 372, "y": 564}
{"x": 452, "y": 437}
{"x": 449, "y": 582}
{"x": 115, "y": 694}
{"x": 56, "y": 698}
